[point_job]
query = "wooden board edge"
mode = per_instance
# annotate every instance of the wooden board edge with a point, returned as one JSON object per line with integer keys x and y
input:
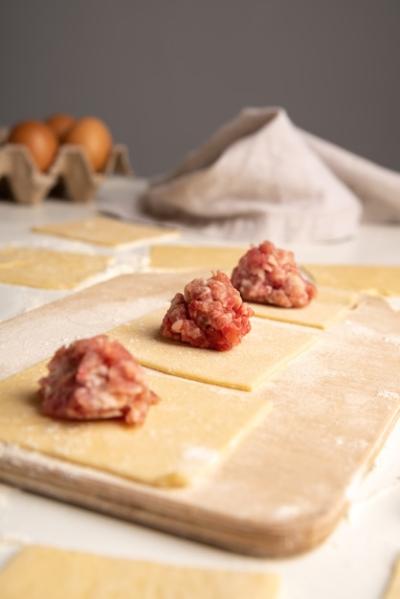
{"x": 146, "y": 506}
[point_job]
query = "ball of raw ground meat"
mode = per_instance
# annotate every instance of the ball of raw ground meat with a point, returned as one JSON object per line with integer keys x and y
{"x": 209, "y": 314}
{"x": 95, "y": 378}
{"x": 269, "y": 275}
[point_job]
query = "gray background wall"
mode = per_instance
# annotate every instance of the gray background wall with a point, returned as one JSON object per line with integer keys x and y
{"x": 164, "y": 74}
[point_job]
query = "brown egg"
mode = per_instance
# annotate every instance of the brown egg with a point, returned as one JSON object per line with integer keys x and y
{"x": 39, "y": 139}
{"x": 60, "y": 124}
{"x": 94, "y": 136}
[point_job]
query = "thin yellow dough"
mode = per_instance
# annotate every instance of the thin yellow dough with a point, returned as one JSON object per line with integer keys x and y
{"x": 48, "y": 269}
{"x": 103, "y": 231}
{"x": 189, "y": 256}
{"x": 186, "y": 434}
{"x": 381, "y": 280}
{"x": 267, "y": 348}
{"x": 393, "y": 589}
{"x": 328, "y": 307}
{"x": 37, "y": 572}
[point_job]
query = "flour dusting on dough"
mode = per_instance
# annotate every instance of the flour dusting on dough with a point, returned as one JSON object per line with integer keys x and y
{"x": 197, "y": 453}
{"x": 393, "y": 340}
{"x": 361, "y": 330}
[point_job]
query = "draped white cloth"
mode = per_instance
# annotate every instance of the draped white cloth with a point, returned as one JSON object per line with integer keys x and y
{"x": 259, "y": 176}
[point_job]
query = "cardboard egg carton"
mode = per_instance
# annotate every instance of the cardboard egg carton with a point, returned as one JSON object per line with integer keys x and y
{"x": 71, "y": 176}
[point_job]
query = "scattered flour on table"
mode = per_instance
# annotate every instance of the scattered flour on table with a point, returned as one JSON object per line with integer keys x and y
{"x": 382, "y": 479}
{"x": 5, "y": 497}
{"x": 16, "y": 539}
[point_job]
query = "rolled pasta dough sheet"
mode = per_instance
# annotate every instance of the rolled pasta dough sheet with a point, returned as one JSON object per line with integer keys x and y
{"x": 191, "y": 256}
{"x": 37, "y": 572}
{"x": 380, "y": 279}
{"x": 188, "y": 433}
{"x": 103, "y": 231}
{"x": 328, "y": 307}
{"x": 48, "y": 269}
{"x": 267, "y": 348}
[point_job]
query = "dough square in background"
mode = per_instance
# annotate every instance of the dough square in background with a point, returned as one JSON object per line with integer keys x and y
{"x": 267, "y": 348}
{"x": 37, "y": 572}
{"x": 382, "y": 280}
{"x": 187, "y": 434}
{"x": 48, "y": 269}
{"x": 109, "y": 232}
{"x": 190, "y": 256}
{"x": 328, "y": 307}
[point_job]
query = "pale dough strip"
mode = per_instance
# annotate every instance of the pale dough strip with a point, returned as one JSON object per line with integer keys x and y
{"x": 190, "y": 256}
{"x": 103, "y": 231}
{"x": 37, "y": 572}
{"x": 48, "y": 269}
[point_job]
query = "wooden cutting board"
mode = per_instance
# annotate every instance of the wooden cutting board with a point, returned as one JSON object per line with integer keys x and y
{"x": 286, "y": 486}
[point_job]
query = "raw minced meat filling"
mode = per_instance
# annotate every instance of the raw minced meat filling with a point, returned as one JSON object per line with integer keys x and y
{"x": 95, "y": 378}
{"x": 269, "y": 275}
{"x": 209, "y": 314}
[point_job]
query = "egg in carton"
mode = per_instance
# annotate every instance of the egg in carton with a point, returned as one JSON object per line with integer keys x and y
{"x": 70, "y": 176}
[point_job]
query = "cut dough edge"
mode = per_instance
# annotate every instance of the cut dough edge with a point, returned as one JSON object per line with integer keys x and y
{"x": 38, "y": 571}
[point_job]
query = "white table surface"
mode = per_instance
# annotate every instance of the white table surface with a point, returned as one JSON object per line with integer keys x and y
{"x": 354, "y": 563}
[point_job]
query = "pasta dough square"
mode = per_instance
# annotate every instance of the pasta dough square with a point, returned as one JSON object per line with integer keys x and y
{"x": 382, "y": 280}
{"x": 328, "y": 307}
{"x": 185, "y": 435}
{"x": 37, "y": 572}
{"x": 103, "y": 231}
{"x": 264, "y": 350}
{"x": 48, "y": 269}
{"x": 190, "y": 256}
